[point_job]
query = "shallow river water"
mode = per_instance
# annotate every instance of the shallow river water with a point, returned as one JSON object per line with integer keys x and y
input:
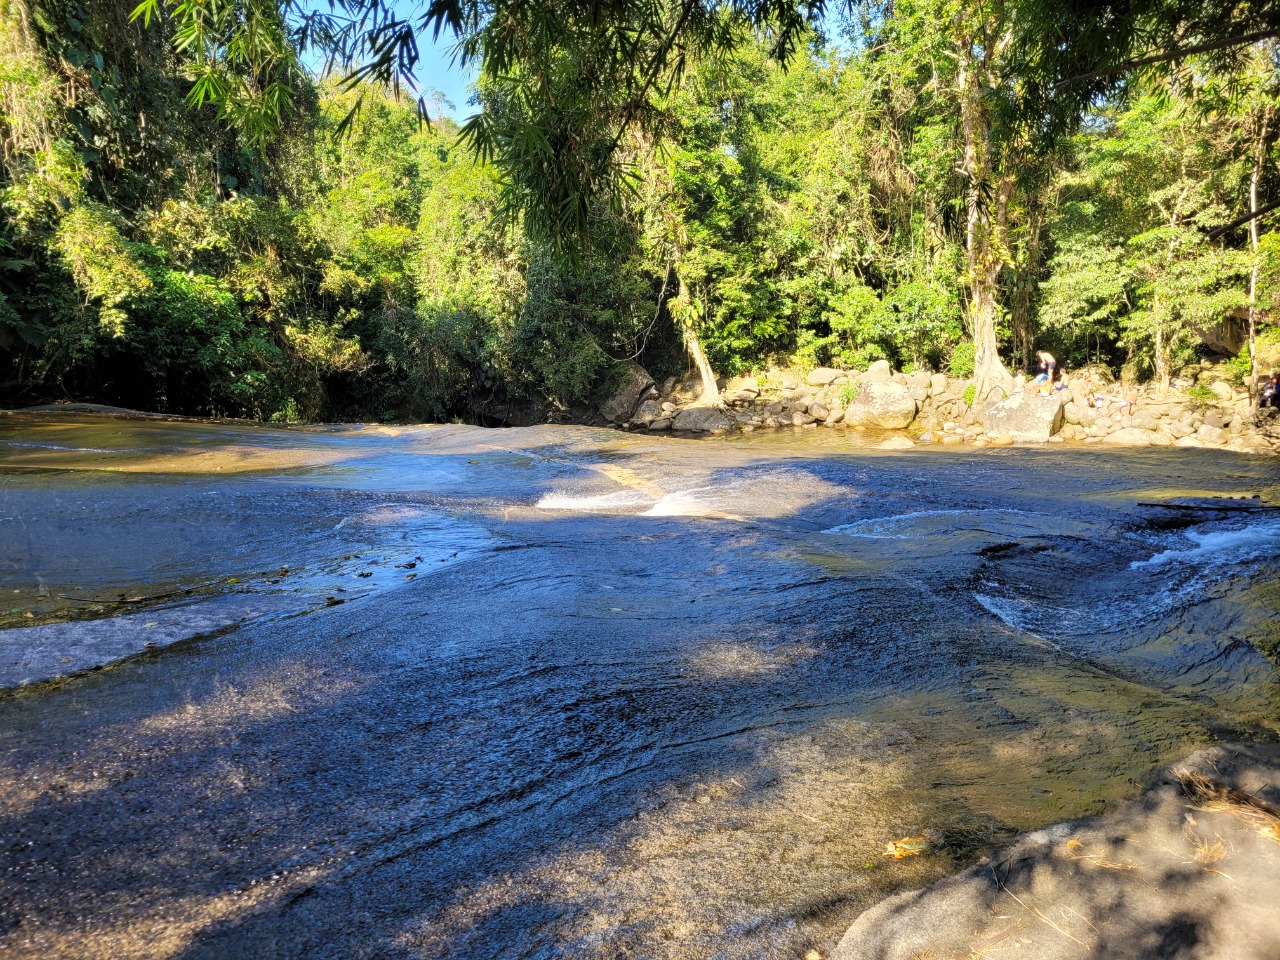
{"x": 447, "y": 692}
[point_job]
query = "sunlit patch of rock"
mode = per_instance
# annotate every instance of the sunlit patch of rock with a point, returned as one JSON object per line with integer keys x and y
{"x": 786, "y": 851}
{"x": 738, "y": 659}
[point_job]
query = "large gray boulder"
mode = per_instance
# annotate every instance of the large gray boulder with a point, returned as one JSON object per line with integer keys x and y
{"x": 648, "y": 411}
{"x": 634, "y": 383}
{"x": 1138, "y": 437}
{"x": 701, "y": 420}
{"x": 884, "y": 406}
{"x": 878, "y": 372}
{"x": 823, "y": 376}
{"x": 922, "y": 379}
{"x": 1085, "y": 414}
{"x": 1026, "y": 417}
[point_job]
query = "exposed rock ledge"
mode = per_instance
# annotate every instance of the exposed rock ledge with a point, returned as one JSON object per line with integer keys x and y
{"x": 1166, "y": 875}
{"x": 933, "y": 408}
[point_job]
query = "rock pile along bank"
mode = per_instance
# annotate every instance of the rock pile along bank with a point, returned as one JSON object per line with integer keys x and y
{"x": 933, "y": 408}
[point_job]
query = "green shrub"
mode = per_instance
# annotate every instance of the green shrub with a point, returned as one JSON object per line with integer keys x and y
{"x": 961, "y": 364}
{"x": 970, "y": 394}
{"x": 849, "y": 392}
{"x": 1201, "y": 395}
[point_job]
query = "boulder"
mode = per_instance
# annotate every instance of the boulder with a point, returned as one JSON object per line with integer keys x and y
{"x": 921, "y": 379}
{"x": 822, "y": 376}
{"x": 633, "y": 384}
{"x": 1222, "y": 390}
{"x": 648, "y": 411}
{"x": 1137, "y": 437}
{"x": 1187, "y": 441}
{"x": 836, "y": 416}
{"x": 701, "y": 420}
{"x": 801, "y": 419}
{"x": 663, "y": 424}
{"x": 1085, "y": 414}
{"x": 878, "y": 372}
{"x": 938, "y": 384}
{"x": 818, "y": 411}
{"x": 1025, "y": 417}
{"x": 1211, "y": 434}
{"x": 886, "y": 406}
{"x": 897, "y": 443}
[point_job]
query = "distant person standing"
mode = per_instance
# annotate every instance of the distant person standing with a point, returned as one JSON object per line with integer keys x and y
{"x": 1047, "y": 363}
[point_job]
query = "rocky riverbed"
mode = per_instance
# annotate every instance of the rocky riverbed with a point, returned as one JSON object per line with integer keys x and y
{"x": 1204, "y": 409}
{"x": 446, "y": 692}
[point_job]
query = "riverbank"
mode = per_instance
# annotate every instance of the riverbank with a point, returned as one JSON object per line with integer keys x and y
{"x": 1185, "y": 869}
{"x": 1204, "y": 409}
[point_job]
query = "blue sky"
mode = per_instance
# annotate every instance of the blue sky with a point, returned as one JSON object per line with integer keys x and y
{"x": 436, "y": 69}
{"x": 435, "y": 66}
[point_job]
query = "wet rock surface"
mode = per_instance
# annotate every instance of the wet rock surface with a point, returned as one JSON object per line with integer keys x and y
{"x": 588, "y": 693}
{"x": 1173, "y": 873}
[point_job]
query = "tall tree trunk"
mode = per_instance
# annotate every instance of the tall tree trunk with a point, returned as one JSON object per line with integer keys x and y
{"x": 1162, "y": 361}
{"x": 710, "y": 391}
{"x": 1254, "y": 177}
{"x": 982, "y": 255}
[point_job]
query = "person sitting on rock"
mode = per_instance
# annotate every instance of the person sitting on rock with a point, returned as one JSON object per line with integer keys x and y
{"x": 1271, "y": 392}
{"x": 1047, "y": 363}
{"x": 1062, "y": 383}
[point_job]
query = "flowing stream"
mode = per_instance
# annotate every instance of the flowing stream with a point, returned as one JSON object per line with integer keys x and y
{"x": 447, "y": 692}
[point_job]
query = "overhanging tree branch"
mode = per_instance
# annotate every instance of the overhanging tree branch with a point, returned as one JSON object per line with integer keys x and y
{"x": 1216, "y": 232}
{"x": 1179, "y": 54}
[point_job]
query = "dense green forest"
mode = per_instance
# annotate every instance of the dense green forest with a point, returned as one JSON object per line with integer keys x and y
{"x": 875, "y": 194}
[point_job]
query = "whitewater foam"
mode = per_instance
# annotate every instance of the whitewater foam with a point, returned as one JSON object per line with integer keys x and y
{"x": 596, "y": 503}
{"x": 904, "y": 526}
{"x": 1232, "y": 545}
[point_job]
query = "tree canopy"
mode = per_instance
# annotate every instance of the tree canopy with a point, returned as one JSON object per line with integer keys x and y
{"x": 723, "y": 186}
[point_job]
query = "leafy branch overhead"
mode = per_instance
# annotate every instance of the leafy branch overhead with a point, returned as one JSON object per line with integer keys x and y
{"x": 581, "y": 74}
